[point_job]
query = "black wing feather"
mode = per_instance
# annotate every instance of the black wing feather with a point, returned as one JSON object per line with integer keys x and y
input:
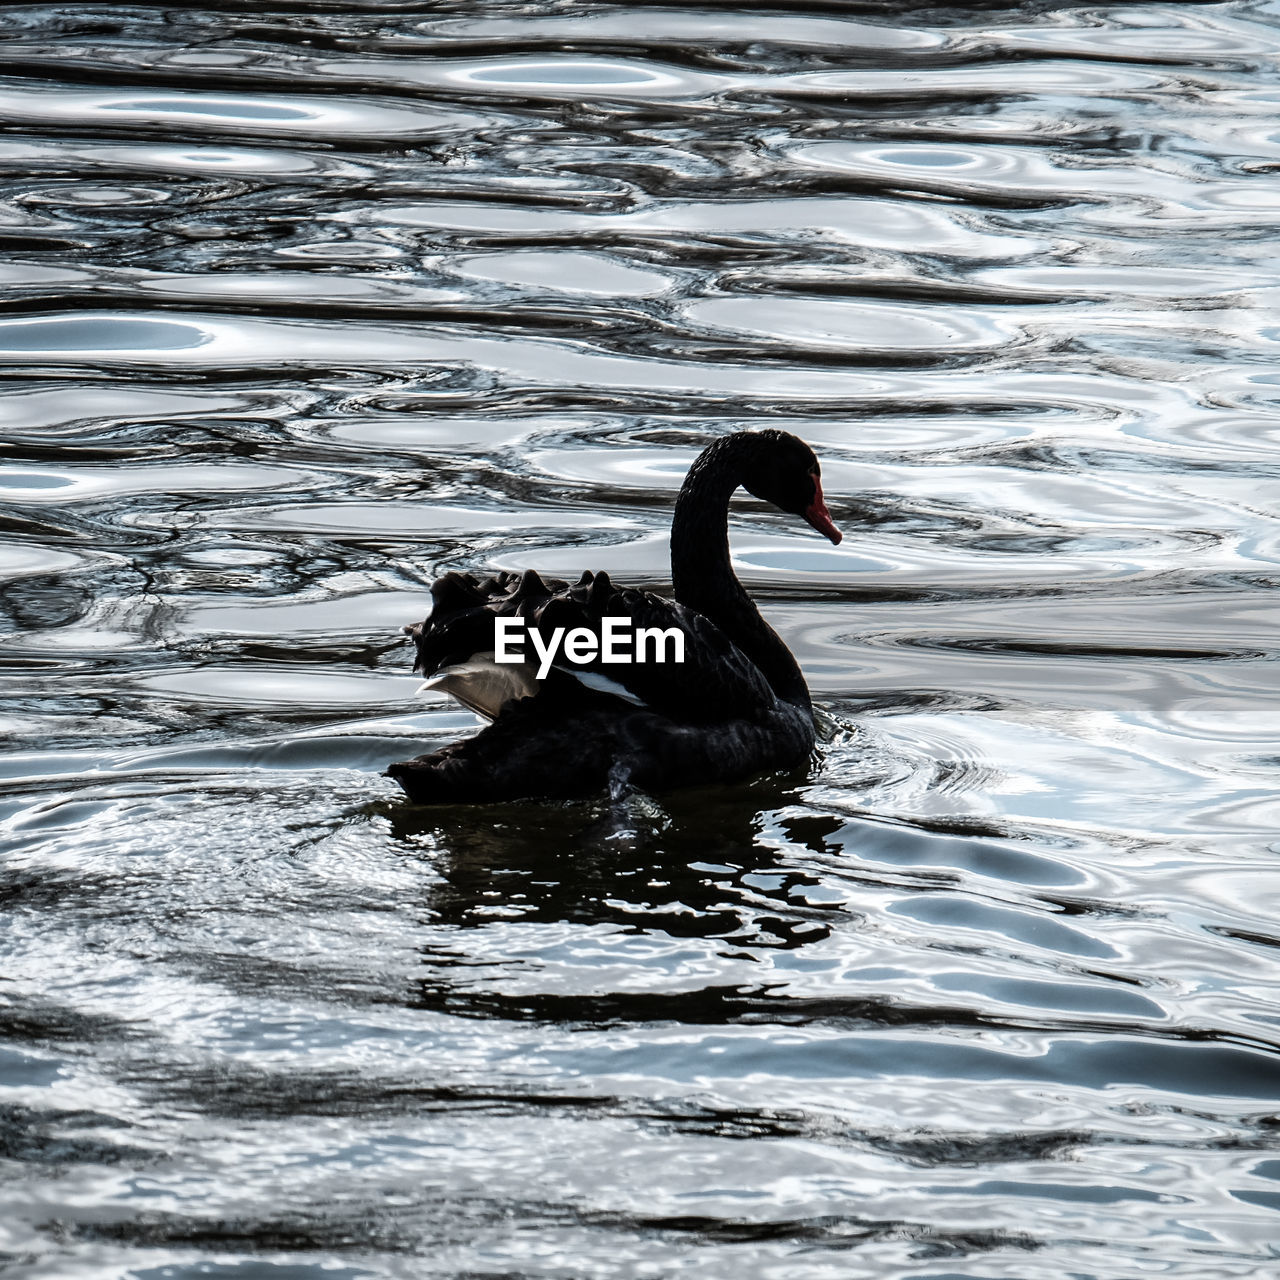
{"x": 715, "y": 682}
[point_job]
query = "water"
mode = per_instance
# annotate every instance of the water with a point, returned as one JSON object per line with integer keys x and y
{"x": 305, "y": 305}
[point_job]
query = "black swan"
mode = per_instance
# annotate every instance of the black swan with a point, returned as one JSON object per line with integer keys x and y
{"x": 569, "y": 723}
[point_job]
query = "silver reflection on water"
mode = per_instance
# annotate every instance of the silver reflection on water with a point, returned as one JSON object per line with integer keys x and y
{"x": 304, "y": 308}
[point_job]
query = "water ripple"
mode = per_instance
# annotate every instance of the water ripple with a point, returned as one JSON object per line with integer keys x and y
{"x": 301, "y": 309}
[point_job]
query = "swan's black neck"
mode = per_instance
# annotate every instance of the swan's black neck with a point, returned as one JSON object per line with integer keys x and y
{"x": 702, "y": 575}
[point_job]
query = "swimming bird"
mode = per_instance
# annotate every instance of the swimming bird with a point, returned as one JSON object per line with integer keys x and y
{"x": 570, "y": 722}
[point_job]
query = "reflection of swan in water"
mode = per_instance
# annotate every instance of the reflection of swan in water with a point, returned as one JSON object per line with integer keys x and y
{"x": 599, "y": 864}
{"x": 734, "y": 704}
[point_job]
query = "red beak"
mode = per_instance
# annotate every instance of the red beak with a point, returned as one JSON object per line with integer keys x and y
{"x": 816, "y": 514}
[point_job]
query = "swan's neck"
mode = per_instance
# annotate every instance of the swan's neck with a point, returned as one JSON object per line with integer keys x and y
{"x": 702, "y": 575}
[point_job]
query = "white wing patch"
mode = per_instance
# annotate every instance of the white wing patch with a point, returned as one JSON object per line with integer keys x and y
{"x": 486, "y": 686}
{"x": 483, "y": 685}
{"x": 602, "y": 684}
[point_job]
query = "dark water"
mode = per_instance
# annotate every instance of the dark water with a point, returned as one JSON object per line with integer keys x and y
{"x": 304, "y": 305}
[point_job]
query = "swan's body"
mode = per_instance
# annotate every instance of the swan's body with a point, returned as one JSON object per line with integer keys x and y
{"x": 735, "y": 706}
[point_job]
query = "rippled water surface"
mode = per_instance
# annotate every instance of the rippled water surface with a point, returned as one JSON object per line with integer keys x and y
{"x": 304, "y": 305}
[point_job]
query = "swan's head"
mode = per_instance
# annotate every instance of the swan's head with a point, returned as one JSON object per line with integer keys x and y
{"x": 785, "y": 471}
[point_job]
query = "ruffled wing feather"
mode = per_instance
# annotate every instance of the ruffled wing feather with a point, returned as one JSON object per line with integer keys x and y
{"x": 715, "y": 682}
